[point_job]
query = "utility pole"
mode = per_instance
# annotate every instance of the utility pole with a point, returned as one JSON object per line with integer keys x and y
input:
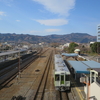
{"x": 97, "y": 47}
{"x": 19, "y": 65}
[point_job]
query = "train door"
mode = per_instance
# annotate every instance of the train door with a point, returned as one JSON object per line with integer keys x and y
{"x": 57, "y": 79}
{"x": 62, "y": 82}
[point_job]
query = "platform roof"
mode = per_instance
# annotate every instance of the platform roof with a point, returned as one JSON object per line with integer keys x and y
{"x": 79, "y": 67}
{"x": 92, "y": 64}
{"x": 70, "y": 54}
{"x": 10, "y": 52}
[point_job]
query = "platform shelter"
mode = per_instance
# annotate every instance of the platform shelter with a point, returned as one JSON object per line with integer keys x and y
{"x": 67, "y": 55}
{"x": 11, "y": 55}
{"x": 94, "y": 68}
{"x": 92, "y": 64}
{"x": 78, "y": 68}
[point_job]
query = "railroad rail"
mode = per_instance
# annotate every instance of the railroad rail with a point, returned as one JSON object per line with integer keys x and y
{"x": 10, "y": 72}
{"x": 37, "y": 83}
{"x": 41, "y": 82}
{"x": 43, "y": 85}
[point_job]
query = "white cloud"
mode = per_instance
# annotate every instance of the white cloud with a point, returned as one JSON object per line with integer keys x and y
{"x": 42, "y": 32}
{"x": 53, "y": 22}
{"x": 34, "y": 31}
{"x": 18, "y": 20}
{"x": 52, "y": 30}
{"x": 2, "y": 13}
{"x": 61, "y": 7}
{"x": 7, "y": 2}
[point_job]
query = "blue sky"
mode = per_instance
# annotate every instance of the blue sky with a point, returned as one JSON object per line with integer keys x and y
{"x": 46, "y": 17}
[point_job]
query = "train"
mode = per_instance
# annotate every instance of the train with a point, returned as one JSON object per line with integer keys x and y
{"x": 61, "y": 74}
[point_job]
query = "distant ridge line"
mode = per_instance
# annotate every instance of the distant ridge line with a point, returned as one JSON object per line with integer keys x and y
{"x": 54, "y": 38}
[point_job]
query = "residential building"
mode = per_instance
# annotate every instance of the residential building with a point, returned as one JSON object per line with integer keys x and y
{"x": 98, "y": 34}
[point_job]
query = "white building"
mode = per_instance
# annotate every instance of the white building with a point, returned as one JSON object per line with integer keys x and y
{"x": 98, "y": 34}
{"x": 92, "y": 42}
{"x": 67, "y": 44}
{"x": 61, "y": 47}
{"x": 25, "y": 46}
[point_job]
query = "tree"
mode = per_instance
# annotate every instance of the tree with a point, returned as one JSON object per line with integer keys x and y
{"x": 72, "y": 47}
{"x": 95, "y": 48}
{"x": 65, "y": 49}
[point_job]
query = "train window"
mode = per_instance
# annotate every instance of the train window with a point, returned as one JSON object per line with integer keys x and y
{"x": 56, "y": 77}
{"x": 67, "y": 77}
{"x": 62, "y": 77}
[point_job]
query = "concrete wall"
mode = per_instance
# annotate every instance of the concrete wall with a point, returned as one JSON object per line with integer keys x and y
{"x": 94, "y": 90}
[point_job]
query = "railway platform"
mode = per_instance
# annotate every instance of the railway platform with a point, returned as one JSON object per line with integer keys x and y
{"x": 78, "y": 90}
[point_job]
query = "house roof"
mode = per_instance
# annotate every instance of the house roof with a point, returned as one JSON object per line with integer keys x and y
{"x": 96, "y": 69}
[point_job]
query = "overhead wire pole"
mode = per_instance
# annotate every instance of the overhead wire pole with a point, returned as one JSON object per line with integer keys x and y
{"x": 19, "y": 65}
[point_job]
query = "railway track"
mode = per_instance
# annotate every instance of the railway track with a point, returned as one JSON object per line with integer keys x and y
{"x": 40, "y": 83}
{"x": 71, "y": 95}
{"x": 36, "y": 83}
{"x": 28, "y": 76}
{"x": 64, "y": 96}
{"x": 7, "y": 74}
{"x": 46, "y": 89}
{"x": 50, "y": 92}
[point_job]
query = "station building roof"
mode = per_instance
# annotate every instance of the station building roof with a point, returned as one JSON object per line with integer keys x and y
{"x": 79, "y": 67}
{"x": 97, "y": 69}
{"x": 92, "y": 64}
{"x": 70, "y": 54}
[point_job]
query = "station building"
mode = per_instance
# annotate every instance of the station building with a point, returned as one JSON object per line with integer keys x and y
{"x": 91, "y": 70}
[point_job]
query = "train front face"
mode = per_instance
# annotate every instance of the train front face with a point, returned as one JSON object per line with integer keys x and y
{"x": 62, "y": 81}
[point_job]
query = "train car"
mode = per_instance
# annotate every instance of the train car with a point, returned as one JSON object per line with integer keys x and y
{"x": 61, "y": 74}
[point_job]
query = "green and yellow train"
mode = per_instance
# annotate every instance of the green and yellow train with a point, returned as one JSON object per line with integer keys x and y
{"x": 61, "y": 74}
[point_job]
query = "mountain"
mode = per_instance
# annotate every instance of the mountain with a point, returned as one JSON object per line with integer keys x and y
{"x": 73, "y": 37}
